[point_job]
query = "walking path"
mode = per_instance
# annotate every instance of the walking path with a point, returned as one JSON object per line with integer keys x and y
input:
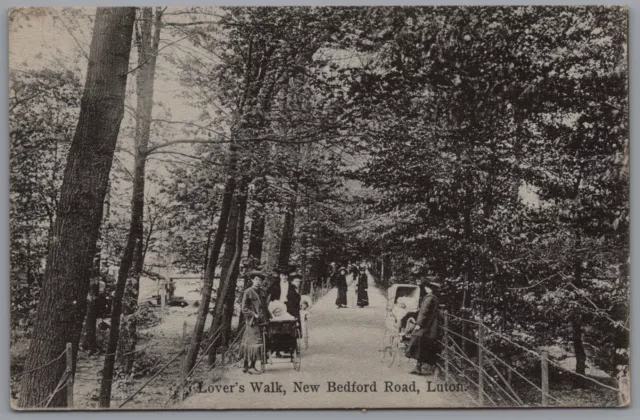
{"x": 343, "y": 349}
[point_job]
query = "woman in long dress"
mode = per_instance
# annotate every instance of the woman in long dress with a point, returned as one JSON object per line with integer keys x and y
{"x": 253, "y": 309}
{"x": 341, "y": 284}
{"x": 363, "y": 285}
{"x": 424, "y": 345}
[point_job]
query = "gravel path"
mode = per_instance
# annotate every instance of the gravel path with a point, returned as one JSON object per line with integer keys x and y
{"x": 343, "y": 349}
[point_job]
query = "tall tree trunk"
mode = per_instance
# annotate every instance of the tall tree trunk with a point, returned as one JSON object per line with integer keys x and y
{"x": 256, "y": 237}
{"x": 62, "y": 305}
{"x": 256, "y": 234}
{"x": 230, "y": 297}
{"x": 229, "y": 273}
{"x": 209, "y": 275}
{"x": 578, "y": 345}
{"x": 147, "y": 51}
{"x": 286, "y": 242}
{"x": 125, "y": 299}
{"x": 89, "y": 341}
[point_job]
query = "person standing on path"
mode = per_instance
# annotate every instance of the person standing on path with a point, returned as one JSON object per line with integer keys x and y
{"x": 362, "y": 286}
{"x": 424, "y": 345}
{"x": 255, "y": 315}
{"x": 284, "y": 291}
{"x": 341, "y": 284}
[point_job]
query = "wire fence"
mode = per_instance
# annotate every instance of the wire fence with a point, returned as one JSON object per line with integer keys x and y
{"x": 468, "y": 356}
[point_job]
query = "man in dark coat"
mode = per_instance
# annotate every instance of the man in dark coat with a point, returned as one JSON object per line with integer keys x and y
{"x": 424, "y": 344}
{"x": 341, "y": 284}
{"x": 290, "y": 297}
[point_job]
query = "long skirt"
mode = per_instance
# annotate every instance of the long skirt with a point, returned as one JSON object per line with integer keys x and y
{"x": 342, "y": 297}
{"x": 252, "y": 343}
{"x": 423, "y": 349}
{"x": 363, "y": 297}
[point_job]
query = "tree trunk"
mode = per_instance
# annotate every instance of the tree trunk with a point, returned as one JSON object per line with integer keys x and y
{"x": 89, "y": 330}
{"x": 62, "y": 307}
{"x": 89, "y": 341}
{"x": 256, "y": 235}
{"x": 148, "y": 42}
{"x": 256, "y": 238}
{"x": 286, "y": 242}
{"x": 232, "y": 281}
{"x": 578, "y": 346}
{"x": 229, "y": 273}
{"x": 209, "y": 275}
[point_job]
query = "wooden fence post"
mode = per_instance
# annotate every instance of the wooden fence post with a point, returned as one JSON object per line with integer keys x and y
{"x": 446, "y": 346}
{"x": 545, "y": 379}
{"x": 69, "y": 373}
{"x": 184, "y": 360}
{"x": 480, "y": 364}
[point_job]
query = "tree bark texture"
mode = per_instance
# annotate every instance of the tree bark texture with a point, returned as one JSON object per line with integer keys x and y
{"x": 286, "y": 242}
{"x": 212, "y": 263}
{"x": 578, "y": 345}
{"x": 256, "y": 236}
{"x": 89, "y": 336}
{"x": 148, "y": 43}
{"x": 230, "y": 269}
{"x": 62, "y": 307}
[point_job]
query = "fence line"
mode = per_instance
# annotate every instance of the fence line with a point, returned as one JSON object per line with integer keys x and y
{"x": 152, "y": 378}
{"x": 473, "y": 382}
{"x": 482, "y": 349}
{"x": 461, "y": 353}
{"x": 456, "y": 383}
{"x": 40, "y": 367}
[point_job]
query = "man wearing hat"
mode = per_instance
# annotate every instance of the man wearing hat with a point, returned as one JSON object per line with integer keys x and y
{"x": 424, "y": 345}
{"x": 256, "y": 315}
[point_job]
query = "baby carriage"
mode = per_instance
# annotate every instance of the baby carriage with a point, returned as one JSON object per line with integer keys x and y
{"x": 282, "y": 334}
{"x": 403, "y": 302}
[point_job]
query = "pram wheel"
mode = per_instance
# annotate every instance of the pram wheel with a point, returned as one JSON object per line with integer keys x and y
{"x": 388, "y": 356}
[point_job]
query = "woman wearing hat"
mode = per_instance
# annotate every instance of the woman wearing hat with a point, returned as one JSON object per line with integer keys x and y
{"x": 253, "y": 309}
{"x": 363, "y": 285}
{"x": 341, "y": 284}
{"x": 424, "y": 345}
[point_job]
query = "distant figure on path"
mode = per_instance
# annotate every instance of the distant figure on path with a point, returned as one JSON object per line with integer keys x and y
{"x": 424, "y": 345}
{"x": 362, "y": 286}
{"x": 354, "y": 271}
{"x": 171, "y": 289}
{"x": 333, "y": 274}
{"x": 341, "y": 284}
{"x": 255, "y": 315}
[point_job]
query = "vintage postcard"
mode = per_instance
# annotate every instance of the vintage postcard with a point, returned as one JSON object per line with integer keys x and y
{"x": 319, "y": 207}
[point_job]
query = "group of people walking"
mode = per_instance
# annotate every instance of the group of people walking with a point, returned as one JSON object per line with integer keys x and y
{"x": 338, "y": 278}
{"x": 264, "y": 301}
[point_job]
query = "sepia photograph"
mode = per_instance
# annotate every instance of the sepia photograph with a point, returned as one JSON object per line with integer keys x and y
{"x": 319, "y": 207}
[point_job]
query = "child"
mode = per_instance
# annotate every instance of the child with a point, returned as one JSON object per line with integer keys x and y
{"x": 279, "y": 312}
{"x": 305, "y": 305}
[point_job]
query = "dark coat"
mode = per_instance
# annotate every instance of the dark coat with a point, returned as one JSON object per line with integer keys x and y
{"x": 293, "y": 297}
{"x": 363, "y": 285}
{"x": 424, "y": 345}
{"x": 341, "y": 282}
